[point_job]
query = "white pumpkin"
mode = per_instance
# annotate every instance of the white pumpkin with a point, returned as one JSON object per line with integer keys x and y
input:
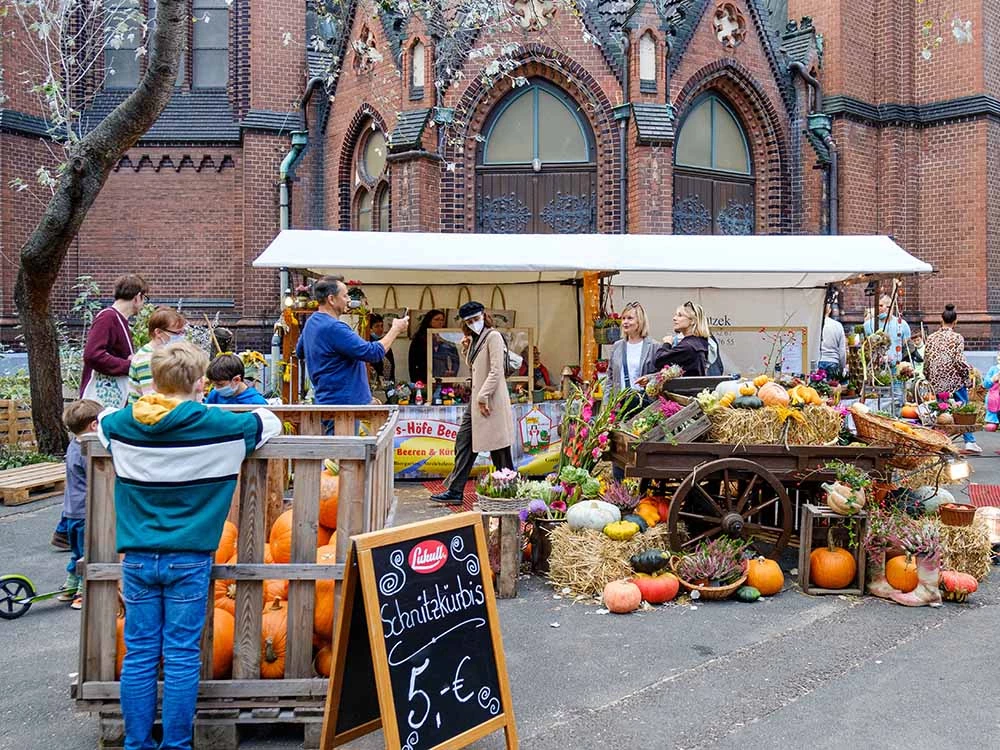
{"x": 936, "y": 499}
{"x": 592, "y": 514}
{"x": 728, "y": 386}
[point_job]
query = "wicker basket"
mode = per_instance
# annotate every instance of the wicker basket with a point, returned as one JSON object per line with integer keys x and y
{"x": 711, "y": 593}
{"x": 607, "y": 334}
{"x": 914, "y": 445}
{"x": 957, "y": 514}
{"x": 501, "y": 504}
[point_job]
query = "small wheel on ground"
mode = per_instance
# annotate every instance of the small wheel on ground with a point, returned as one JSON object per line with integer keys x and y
{"x": 13, "y": 590}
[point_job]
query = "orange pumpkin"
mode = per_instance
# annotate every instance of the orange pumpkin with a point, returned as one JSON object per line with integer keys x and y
{"x": 323, "y": 536}
{"x": 223, "y": 625}
{"x": 656, "y": 589}
{"x": 225, "y": 596}
{"x": 909, "y": 411}
{"x": 765, "y": 575}
{"x": 329, "y": 494}
{"x": 662, "y": 508}
{"x": 773, "y": 394}
{"x": 901, "y": 573}
{"x": 323, "y": 661}
{"x": 268, "y": 557}
{"x": 273, "y": 640}
{"x": 622, "y": 597}
{"x": 281, "y": 538}
{"x": 227, "y": 543}
{"x": 649, "y": 511}
{"x": 275, "y": 589}
{"x": 323, "y": 612}
{"x": 119, "y": 644}
{"x": 831, "y": 567}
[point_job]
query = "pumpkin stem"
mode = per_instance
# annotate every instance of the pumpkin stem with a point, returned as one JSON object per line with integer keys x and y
{"x": 269, "y": 655}
{"x": 276, "y": 605}
{"x": 830, "y": 545}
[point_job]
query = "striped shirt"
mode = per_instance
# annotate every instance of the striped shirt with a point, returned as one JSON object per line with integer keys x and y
{"x": 140, "y": 374}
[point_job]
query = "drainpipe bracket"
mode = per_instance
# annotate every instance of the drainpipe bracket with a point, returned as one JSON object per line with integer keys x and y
{"x": 444, "y": 115}
{"x": 622, "y": 111}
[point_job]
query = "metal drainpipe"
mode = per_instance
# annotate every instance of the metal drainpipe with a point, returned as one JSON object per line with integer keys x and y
{"x": 300, "y": 138}
{"x": 820, "y": 125}
{"x": 622, "y": 141}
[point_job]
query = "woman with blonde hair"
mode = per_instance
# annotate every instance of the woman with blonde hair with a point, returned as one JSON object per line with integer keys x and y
{"x": 632, "y": 355}
{"x": 690, "y": 353}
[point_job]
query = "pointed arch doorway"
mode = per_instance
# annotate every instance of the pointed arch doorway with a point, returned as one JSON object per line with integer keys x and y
{"x": 536, "y": 166}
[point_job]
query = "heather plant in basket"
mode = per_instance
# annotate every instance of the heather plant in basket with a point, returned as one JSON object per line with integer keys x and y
{"x": 718, "y": 562}
{"x": 619, "y": 495}
{"x": 504, "y": 483}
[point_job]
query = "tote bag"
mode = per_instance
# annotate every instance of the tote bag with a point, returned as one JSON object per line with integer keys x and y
{"x": 503, "y": 318}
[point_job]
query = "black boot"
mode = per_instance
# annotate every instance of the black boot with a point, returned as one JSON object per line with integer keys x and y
{"x": 447, "y": 498}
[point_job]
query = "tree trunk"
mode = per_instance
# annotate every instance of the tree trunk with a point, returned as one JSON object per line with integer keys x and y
{"x": 89, "y": 163}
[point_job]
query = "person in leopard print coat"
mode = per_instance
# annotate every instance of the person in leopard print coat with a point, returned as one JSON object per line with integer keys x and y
{"x": 945, "y": 366}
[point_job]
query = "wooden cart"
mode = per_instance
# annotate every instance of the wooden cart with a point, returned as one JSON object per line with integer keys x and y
{"x": 753, "y": 491}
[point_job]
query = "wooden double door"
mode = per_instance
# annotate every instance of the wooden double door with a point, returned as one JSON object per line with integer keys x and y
{"x": 709, "y": 205}
{"x": 519, "y": 200}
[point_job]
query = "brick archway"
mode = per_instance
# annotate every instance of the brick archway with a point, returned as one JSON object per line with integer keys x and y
{"x": 766, "y": 136}
{"x": 345, "y": 174}
{"x": 477, "y": 101}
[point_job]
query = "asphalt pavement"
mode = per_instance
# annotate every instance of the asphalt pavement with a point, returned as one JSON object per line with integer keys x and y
{"x": 789, "y": 671}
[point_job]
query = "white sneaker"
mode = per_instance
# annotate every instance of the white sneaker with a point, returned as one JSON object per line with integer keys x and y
{"x": 973, "y": 448}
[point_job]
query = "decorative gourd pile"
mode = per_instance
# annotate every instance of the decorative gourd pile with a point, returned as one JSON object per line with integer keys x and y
{"x": 274, "y": 617}
{"x": 763, "y": 412}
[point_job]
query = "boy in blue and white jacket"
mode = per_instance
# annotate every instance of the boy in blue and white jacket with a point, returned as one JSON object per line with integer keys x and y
{"x": 176, "y": 464}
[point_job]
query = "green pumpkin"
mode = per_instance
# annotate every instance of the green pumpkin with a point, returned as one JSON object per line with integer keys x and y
{"x": 748, "y": 402}
{"x": 650, "y": 561}
{"x": 621, "y": 531}
{"x": 638, "y": 520}
{"x": 747, "y": 594}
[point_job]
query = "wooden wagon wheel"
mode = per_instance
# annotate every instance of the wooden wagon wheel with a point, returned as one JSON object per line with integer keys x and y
{"x": 735, "y": 497}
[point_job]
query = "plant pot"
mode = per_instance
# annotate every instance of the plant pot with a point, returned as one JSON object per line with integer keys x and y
{"x": 607, "y": 335}
{"x": 964, "y": 419}
{"x": 541, "y": 544}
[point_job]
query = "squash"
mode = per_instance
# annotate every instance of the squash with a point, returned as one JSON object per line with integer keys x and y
{"x": 621, "y": 531}
{"x": 909, "y": 411}
{"x": 226, "y": 547}
{"x": 223, "y": 625}
{"x": 324, "y": 590}
{"x": 323, "y": 661}
{"x": 831, "y": 567}
{"x": 657, "y": 589}
{"x": 747, "y": 594}
{"x": 329, "y": 496}
{"x": 592, "y": 514}
{"x": 273, "y": 641}
{"x": 772, "y": 394}
{"x": 957, "y": 586}
{"x": 648, "y": 510}
{"x": 761, "y": 380}
{"x": 662, "y": 509}
{"x": 727, "y": 387}
{"x": 843, "y": 499}
{"x": 945, "y": 419}
{"x": 748, "y": 389}
{"x": 726, "y": 401}
{"x": 281, "y": 537}
{"x": 649, "y": 561}
{"x": 748, "y": 402}
{"x": 225, "y": 596}
{"x": 638, "y": 521}
{"x": 901, "y": 573}
{"x": 811, "y": 396}
{"x": 622, "y": 597}
{"x": 765, "y": 575}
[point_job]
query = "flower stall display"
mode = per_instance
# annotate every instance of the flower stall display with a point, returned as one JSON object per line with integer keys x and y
{"x": 607, "y": 328}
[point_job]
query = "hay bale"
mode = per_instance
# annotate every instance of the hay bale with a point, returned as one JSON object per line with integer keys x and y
{"x": 967, "y": 549}
{"x": 585, "y": 560}
{"x": 819, "y": 425}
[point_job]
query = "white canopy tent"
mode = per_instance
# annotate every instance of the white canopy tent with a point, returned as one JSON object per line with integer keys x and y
{"x": 735, "y": 278}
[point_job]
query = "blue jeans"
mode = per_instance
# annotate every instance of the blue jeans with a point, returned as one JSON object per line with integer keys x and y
{"x": 61, "y": 526}
{"x": 166, "y": 595}
{"x": 962, "y": 396}
{"x": 74, "y": 531}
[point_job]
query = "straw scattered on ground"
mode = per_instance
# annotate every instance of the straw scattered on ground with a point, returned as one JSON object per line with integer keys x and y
{"x": 967, "y": 548}
{"x": 819, "y": 425}
{"x": 586, "y": 560}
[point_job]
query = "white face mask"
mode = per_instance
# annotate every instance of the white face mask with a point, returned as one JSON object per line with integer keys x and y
{"x": 477, "y": 326}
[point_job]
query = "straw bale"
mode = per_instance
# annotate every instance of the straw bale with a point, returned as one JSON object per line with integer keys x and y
{"x": 821, "y": 425}
{"x": 586, "y": 560}
{"x": 967, "y": 548}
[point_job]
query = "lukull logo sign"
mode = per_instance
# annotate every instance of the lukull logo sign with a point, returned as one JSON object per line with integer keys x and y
{"x": 428, "y": 556}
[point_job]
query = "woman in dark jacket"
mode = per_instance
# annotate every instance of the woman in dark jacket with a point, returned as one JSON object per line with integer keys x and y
{"x": 445, "y": 363}
{"x": 691, "y": 352}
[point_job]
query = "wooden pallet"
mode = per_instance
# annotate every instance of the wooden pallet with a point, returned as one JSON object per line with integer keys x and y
{"x": 34, "y": 482}
{"x": 15, "y": 423}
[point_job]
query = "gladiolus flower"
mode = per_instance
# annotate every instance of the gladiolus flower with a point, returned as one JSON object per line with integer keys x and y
{"x": 596, "y": 453}
{"x": 602, "y": 439}
{"x": 558, "y": 505}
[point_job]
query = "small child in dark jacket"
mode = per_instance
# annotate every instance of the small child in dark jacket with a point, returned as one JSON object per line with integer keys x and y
{"x": 226, "y": 373}
{"x": 80, "y": 417}
{"x": 176, "y": 463}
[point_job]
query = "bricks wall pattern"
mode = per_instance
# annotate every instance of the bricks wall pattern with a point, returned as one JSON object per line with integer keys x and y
{"x": 193, "y": 217}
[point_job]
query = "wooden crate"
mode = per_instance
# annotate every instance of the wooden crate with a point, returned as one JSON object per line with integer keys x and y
{"x": 16, "y": 427}
{"x": 816, "y": 521}
{"x": 366, "y": 495}
{"x": 33, "y": 482}
{"x": 686, "y": 426}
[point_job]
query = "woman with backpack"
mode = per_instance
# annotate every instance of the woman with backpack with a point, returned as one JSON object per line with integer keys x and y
{"x": 488, "y": 422}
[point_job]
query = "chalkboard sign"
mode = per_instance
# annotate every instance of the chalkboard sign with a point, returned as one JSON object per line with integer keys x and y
{"x": 417, "y": 647}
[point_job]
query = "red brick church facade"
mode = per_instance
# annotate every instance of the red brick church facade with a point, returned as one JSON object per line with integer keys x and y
{"x": 666, "y": 116}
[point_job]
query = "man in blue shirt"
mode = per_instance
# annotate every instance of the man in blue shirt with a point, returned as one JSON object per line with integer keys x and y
{"x": 897, "y": 329}
{"x": 335, "y": 355}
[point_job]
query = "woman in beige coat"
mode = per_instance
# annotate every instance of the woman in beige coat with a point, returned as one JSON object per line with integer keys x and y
{"x": 488, "y": 422}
